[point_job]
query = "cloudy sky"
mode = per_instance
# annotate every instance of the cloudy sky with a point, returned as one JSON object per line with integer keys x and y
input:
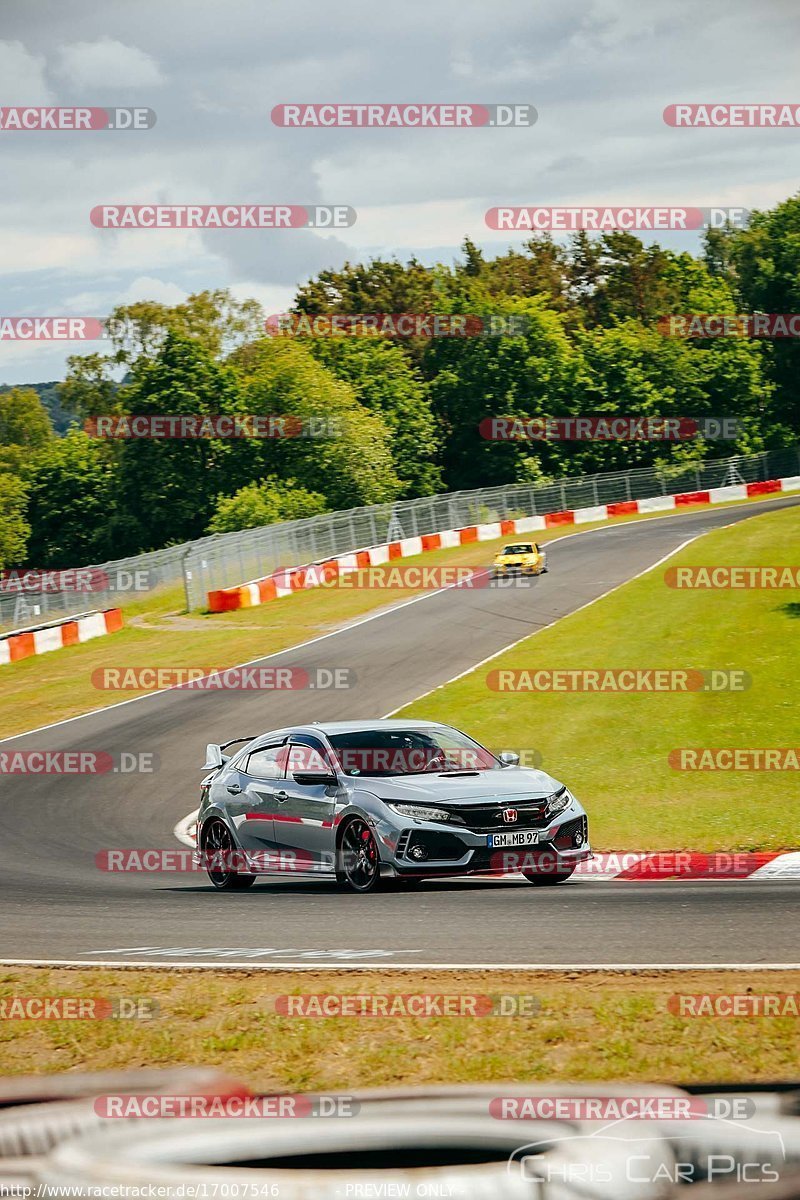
{"x": 599, "y": 72}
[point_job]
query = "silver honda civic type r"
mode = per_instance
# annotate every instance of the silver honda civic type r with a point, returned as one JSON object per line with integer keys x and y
{"x": 367, "y": 803}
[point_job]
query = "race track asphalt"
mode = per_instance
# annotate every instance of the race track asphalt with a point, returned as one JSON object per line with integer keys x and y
{"x": 58, "y": 907}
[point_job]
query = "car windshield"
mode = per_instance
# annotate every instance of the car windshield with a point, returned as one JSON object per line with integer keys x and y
{"x": 383, "y": 752}
{"x": 519, "y": 548}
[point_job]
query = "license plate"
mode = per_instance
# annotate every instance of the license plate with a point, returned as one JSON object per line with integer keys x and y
{"x": 525, "y": 837}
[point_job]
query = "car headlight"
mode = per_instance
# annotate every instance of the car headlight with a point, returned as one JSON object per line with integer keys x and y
{"x": 558, "y": 802}
{"x": 420, "y": 812}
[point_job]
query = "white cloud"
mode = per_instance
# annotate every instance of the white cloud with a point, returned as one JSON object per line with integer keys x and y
{"x": 107, "y": 63}
{"x": 22, "y": 74}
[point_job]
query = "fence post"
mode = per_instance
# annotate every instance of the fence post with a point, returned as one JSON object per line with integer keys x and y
{"x": 187, "y": 575}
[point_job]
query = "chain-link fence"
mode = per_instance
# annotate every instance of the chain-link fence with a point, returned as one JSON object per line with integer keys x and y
{"x": 231, "y": 558}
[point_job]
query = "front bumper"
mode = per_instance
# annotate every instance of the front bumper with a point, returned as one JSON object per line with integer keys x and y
{"x": 517, "y": 569}
{"x": 456, "y": 850}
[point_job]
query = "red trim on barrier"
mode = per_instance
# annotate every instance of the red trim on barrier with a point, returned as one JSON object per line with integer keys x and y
{"x": 224, "y": 600}
{"x": 559, "y": 518}
{"x": 395, "y": 550}
{"x": 470, "y": 534}
{"x": 622, "y": 507}
{"x": 113, "y": 619}
{"x": 69, "y": 633}
{"x": 362, "y": 559}
{"x": 267, "y": 589}
{"x": 693, "y": 864}
{"x": 431, "y": 541}
{"x": 507, "y": 527}
{"x": 684, "y": 498}
{"x": 21, "y": 646}
{"x": 765, "y": 488}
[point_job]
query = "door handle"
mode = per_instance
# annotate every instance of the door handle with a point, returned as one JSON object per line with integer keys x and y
{"x": 281, "y": 797}
{"x": 234, "y": 789}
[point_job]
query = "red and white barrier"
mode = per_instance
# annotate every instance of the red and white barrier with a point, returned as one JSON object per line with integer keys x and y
{"x": 283, "y": 583}
{"x": 642, "y": 867}
{"x": 70, "y": 632}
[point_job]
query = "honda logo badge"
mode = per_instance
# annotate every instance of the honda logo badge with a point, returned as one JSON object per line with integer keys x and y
{"x": 509, "y": 815}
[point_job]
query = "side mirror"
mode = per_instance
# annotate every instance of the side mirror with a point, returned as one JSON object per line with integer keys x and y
{"x": 214, "y": 757}
{"x": 508, "y": 758}
{"x": 318, "y": 778}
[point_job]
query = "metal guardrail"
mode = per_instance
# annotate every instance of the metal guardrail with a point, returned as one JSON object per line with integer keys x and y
{"x": 224, "y": 560}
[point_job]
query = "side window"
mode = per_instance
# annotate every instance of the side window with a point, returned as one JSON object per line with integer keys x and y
{"x": 307, "y": 758}
{"x": 267, "y": 763}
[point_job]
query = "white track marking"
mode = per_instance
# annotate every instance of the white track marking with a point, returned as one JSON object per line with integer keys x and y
{"x": 251, "y": 965}
{"x": 181, "y": 830}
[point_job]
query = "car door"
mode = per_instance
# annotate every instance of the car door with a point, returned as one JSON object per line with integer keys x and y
{"x": 259, "y": 779}
{"x": 305, "y": 811}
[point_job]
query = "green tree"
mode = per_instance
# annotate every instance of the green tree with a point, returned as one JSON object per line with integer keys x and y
{"x": 529, "y": 374}
{"x": 72, "y": 507}
{"x": 168, "y": 486}
{"x": 24, "y": 428}
{"x": 766, "y": 262}
{"x": 350, "y": 464}
{"x": 14, "y": 527}
{"x": 264, "y": 503}
{"x": 385, "y": 382}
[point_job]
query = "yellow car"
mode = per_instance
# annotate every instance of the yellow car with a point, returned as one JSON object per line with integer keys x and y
{"x": 520, "y": 558}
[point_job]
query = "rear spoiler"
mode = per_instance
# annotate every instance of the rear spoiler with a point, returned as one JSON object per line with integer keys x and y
{"x": 214, "y": 756}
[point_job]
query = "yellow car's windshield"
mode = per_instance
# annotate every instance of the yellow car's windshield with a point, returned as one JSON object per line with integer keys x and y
{"x": 519, "y": 548}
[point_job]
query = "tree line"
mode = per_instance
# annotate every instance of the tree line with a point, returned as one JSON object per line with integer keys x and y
{"x": 588, "y": 340}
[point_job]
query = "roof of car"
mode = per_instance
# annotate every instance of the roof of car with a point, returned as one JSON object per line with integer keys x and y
{"x": 334, "y": 727}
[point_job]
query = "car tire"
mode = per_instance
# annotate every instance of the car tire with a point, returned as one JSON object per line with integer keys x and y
{"x": 547, "y": 879}
{"x": 358, "y": 865}
{"x": 217, "y": 838}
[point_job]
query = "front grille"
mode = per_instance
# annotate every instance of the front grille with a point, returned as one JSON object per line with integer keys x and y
{"x": 487, "y": 818}
{"x": 442, "y": 846}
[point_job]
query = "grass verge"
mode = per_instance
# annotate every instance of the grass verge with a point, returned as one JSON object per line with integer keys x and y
{"x": 590, "y": 1026}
